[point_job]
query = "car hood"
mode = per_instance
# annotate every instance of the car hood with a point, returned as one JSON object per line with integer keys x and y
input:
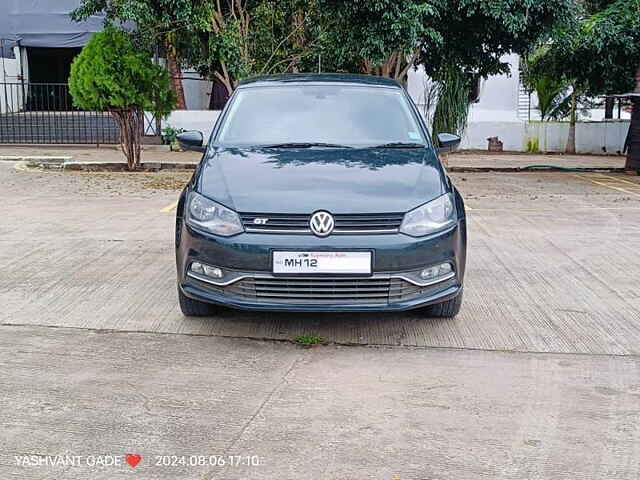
{"x": 306, "y": 180}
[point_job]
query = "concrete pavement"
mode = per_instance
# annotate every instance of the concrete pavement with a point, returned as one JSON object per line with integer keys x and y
{"x": 551, "y": 265}
{"x": 538, "y": 377}
{"x": 322, "y": 413}
{"x": 502, "y": 161}
{"x": 108, "y": 157}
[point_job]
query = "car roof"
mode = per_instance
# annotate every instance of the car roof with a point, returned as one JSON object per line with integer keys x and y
{"x": 300, "y": 78}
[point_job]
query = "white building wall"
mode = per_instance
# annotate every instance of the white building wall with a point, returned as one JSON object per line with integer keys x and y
{"x": 197, "y": 91}
{"x": 498, "y": 94}
{"x": 502, "y": 112}
{"x": 495, "y": 113}
{"x": 605, "y": 137}
{"x": 9, "y": 74}
{"x": 11, "y": 98}
{"x": 202, "y": 120}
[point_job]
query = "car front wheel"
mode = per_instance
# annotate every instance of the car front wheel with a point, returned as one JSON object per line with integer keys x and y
{"x": 448, "y": 309}
{"x": 195, "y": 308}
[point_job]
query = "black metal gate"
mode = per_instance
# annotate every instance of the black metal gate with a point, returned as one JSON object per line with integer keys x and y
{"x": 44, "y": 113}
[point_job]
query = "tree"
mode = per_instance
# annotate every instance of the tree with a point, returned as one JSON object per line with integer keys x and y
{"x": 447, "y": 102}
{"x": 224, "y": 40}
{"x": 558, "y": 96}
{"x": 602, "y": 53}
{"x": 111, "y": 74}
{"x": 381, "y": 37}
{"x": 158, "y": 23}
{"x": 552, "y": 94}
{"x": 456, "y": 41}
{"x": 558, "y": 99}
{"x": 477, "y": 34}
{"x": 246, "y": 38}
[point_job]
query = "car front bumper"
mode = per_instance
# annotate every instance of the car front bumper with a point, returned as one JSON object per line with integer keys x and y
{"x": 246, "y": 260}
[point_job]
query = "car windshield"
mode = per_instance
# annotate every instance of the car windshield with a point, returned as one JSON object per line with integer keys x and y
{"x": 332, "y": 115}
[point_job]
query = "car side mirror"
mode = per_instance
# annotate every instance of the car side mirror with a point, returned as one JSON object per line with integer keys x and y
{"x": 191, "y": 140}
{"x": 448, "y": 142}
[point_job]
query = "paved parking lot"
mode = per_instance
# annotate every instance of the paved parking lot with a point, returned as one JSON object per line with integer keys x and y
{"x": 552, "y": 264}
{"x": 538, "y": 377}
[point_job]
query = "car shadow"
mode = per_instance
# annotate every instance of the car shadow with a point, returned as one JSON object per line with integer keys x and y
{"x": 410, "y": 328}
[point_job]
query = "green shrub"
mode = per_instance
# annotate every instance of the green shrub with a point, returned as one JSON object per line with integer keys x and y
{"x": 170, "y": 136}
{"x": 111, "y": 75}
{"x": 533, "y": 145}
{"x": 309, "y": 339}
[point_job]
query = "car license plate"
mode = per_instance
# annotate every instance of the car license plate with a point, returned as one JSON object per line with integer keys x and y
{"x": 322, "y": 262}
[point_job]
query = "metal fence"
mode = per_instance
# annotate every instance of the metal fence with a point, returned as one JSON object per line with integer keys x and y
{"x": 44, "y": 113}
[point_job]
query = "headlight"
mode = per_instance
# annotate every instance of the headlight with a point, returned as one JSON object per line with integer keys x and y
{"x": 208, "y": 215}
{"x": 430, "y": 218}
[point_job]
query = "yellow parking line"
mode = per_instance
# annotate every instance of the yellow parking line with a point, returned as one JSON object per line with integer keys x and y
{"x": 536, "y": 210}
{"x": 169, "y": 208}
{"x": 624, "y": 190}
{"x": 612, "y": 187}
{"x": 21, "y": 166}
{"x": 620, "y": 180}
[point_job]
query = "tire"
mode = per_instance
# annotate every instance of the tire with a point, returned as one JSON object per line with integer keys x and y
{"x": 195, "y": 308}
{"x": 448, "y": 309}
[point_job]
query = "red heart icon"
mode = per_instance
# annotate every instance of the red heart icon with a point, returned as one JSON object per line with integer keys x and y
{"x": 133, "y": 459}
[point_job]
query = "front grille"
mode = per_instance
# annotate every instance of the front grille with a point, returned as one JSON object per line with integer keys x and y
{"x": 325, "y": 290}
{"x": 345, "y": 224}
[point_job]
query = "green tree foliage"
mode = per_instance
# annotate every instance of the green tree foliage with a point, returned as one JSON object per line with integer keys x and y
{"x": 159, "y": 24}
{"x": 601, "y": 54}
{"x": 559, "y": 96}
{"x": 551, "y": 94}
{"x": 477, "y": 33}
{"x": 223, "y": 40}
{"x": 380, "y": 37}
{"x": 248, "y": 38}
{"x": 456, "y": 41}
{"x": 153, "y": 18}
{"x": 602, "y": 50}
{"x": 228, "y": 40}
{"x": 473, "y": 35}
{"x": 111, "y": 74}
{"x": 448, "y": 101}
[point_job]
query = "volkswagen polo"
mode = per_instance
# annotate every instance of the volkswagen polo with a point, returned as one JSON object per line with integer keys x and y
{"x": 320, "y": 193}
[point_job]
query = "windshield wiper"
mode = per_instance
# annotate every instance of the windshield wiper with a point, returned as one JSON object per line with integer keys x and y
{"x": 305, "y": 145}
{"x": 400, "y": 145}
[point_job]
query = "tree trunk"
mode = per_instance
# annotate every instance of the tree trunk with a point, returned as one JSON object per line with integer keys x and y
{"x": 219, "y": 95}
{"x": 175, "y": 73}
{"x": 571, "y": 141}
{"x": 633, "y": 138}
{"x": 608, "y": 108}
{"x": 131, "y": 124}
{"x": 224, "y": 78}
{"x": 396, "y": 66}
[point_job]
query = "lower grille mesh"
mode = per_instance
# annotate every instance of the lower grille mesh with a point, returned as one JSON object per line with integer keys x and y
{"x": 327, "y": 290}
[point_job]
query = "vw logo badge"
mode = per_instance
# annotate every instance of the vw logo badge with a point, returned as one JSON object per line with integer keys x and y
{"x": 321, "y": 223}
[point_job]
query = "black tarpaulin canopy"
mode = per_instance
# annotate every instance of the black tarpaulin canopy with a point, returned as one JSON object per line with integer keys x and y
{"x": 43, "y": 23}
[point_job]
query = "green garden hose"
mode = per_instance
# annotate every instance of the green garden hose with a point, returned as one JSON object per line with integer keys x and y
{"x": 567, "y": 169}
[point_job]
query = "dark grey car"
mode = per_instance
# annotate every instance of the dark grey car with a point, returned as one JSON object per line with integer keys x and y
{"x": 320, "y": 193}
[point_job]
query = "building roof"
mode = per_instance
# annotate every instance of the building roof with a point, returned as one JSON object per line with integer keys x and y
{"x": 344, "y": 78}
{"x": 43, "y": 23}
